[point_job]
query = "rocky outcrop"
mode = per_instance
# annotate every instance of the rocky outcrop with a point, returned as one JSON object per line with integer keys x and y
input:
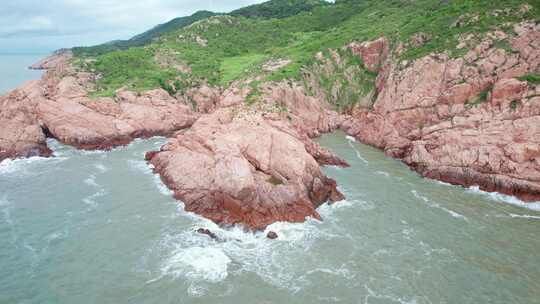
{"x": 248, "y": 169}
{"x": 373, "y": 53}
{"x": 206, "y": 99}
{"x": 58, "y": 58}
{"x": 236, "y": 165}
{"x": 20, "y": 133}
{"x": 466, "y": 121}
{"x": 58, "y": 106}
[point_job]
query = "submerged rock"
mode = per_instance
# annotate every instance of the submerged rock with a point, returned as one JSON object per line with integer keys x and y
{"x": 207, "y": 232}
{"x": 272, "y": 235}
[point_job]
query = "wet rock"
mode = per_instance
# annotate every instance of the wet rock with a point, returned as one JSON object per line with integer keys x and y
{"x": 272, "y": 235}
{"x": 244, "y": 169}
{"x": 59, "y": 104}
{"x": 463, "y": 121}
{"x": 208, "y": 233}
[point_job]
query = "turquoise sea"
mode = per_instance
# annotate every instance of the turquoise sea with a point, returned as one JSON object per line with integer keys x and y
{"x": 14, "y": 70}
{"x": 100, "y": 227}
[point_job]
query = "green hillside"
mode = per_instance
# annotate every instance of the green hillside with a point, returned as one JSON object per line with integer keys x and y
{"x": 223, "y": 48}
{"x": 146, "y": 37}
{"x": 278, "y": 8}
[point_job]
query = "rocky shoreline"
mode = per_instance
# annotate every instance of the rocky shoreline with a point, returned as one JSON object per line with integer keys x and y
{"x": 467, "y": 121}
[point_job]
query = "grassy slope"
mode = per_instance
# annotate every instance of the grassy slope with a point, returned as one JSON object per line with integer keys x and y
{"x": 278, "y": 8}
{"x": 144, "y": 38}
{"x": 236, "y": 45}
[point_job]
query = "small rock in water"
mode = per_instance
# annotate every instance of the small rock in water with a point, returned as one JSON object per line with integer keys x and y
{"x": 272, "y": 235}
{"x": 207, "y": 232}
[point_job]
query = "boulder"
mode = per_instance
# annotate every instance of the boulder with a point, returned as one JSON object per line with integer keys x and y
{"x": 272, "y": 235}
{"x": 208, "y": 233}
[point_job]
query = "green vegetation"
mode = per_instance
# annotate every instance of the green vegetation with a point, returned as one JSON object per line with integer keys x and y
{"x": 233, "y": 67}
{"x": 531, "y": 78}
{"x": 144, "y": 38}
{"x": 514, "y": 104}
{"x": 342, "y": 78}
{"x": 480, "y": 99}
{"x": 275, "y": 181}
{"x": 278, "y": 8}
{"x": 224, "y": 48}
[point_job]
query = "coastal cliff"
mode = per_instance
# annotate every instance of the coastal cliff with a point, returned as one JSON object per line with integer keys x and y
{"x": 240, "y": 148}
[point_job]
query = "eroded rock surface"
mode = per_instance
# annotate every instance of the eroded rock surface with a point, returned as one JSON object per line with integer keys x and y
{"x": 466, "y": 121}
{"x": 247, "y": 169}
{"x": 58, "y": 106}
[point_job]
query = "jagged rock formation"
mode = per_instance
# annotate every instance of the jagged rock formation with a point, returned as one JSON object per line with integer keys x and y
{"x": 466, "y": 121}
{"x": 469, "y": 120}
{"x": 234, "y": 167}
{"x": 58, "y": 106}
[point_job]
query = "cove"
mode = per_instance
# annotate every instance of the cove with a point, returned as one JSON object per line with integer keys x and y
{"x": 100, "y": 227}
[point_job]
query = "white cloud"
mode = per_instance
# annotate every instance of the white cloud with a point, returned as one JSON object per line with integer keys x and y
{"x": 66, "y": 23}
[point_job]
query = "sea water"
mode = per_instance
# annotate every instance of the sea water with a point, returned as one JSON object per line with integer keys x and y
{"x": 100, "y": 227}
{"x": 14, "y": 70}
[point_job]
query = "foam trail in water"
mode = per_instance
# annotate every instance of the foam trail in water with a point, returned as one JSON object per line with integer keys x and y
{"x": 91, "y": 181}
{"x": 436, "y": 205}
{"x": 524, "y": 216}
{"x": 535, "y": 206}
{"x": 144, "y": 167}
{"x": 358, "y": 153}
{"x": 383, "y": 173}
{"x": 350, "y": 138}
{"x": 101, "y": 167}
{"x": 200, "y": 260}
{"x": 91, "y": 200}
{"x": 5, "y": 207}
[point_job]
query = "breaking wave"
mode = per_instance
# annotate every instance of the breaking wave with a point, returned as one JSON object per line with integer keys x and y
{"x": 499, "y": 197}
{"x": 200, "y": 260}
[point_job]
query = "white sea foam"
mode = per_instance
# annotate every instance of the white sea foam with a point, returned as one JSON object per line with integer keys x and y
{"x": 91, "y": 199}
{"x": 358, "y": 153}
{"x": 91, "y": 181}
{"x": 499, "y": 197}
{"x": 5, "y": 206}
{"x": 524, "y": 216}
{"x": 442, "y": 183}
{"x": 438, "y": 206}
{"x": 383, "y": 173}
{"x": 198, "y": 263}
{"x": 201, "y": 260}
{"x": 387, "y": 297}
{"x": 161, "y": 186}
{"x": 101, "y": 167}
{"x": 22, "y": 165}
{"x": 144, "y": 167}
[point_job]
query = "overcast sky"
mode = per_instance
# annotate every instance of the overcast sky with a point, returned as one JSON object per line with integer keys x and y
{"x": 46, "y": 25}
